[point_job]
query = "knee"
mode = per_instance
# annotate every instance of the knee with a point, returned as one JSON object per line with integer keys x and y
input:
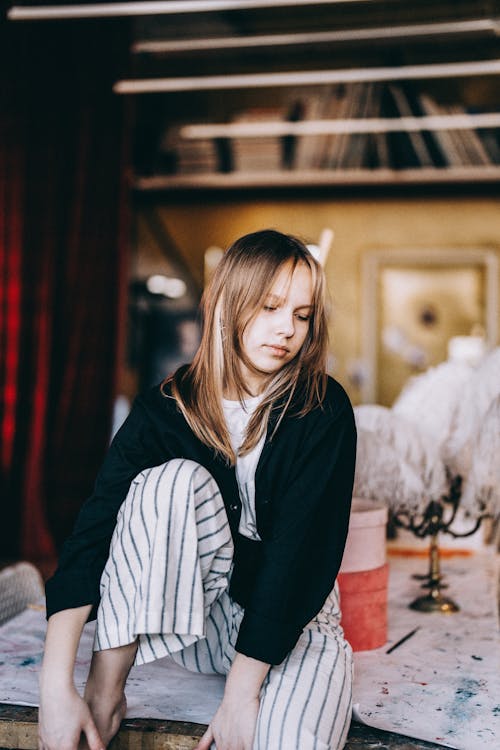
{"x": 178, "y": 467}
{"x": 186, "y": 471}
{"x": 187, "y": 468}
{"x": 182, "y": 475}
{"x": 176, "y": 484}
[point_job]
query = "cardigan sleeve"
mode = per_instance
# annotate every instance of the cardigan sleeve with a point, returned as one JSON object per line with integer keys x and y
{"x": 299, "y": 560}
{"x": 84, "y": 554}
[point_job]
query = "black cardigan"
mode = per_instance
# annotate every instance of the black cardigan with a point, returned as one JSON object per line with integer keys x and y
{"x": 303, "y": 487}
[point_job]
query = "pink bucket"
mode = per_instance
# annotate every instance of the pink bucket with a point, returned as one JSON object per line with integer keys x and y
{"x": 363, "y": 577}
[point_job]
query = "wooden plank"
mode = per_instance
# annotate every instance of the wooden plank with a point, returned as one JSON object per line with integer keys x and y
{"x": 320, "y": 177}
{"x": 362, "y": 737}
{"x": 18, "y": 729}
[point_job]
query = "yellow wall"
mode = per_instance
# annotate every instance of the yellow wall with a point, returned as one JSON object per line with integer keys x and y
{"x": 360, "y": 226}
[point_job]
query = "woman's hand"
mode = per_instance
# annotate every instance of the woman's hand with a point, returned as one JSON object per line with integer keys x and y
{"x": 63, "y": 714}
{"x": 233, "y": 726}
{"x": 62, "y": 718}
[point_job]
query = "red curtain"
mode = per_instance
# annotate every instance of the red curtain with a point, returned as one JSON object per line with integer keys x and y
{"x": 63, "y": 240}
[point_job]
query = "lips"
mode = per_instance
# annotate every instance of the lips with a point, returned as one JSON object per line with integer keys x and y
{"x": 278, "y": 351}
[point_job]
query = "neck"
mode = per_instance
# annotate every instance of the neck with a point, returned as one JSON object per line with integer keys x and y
{"x": 253, "y": 382}
{"x": 232, "y": 394}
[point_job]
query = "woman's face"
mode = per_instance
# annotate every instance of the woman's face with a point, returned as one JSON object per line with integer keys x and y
{"x": 276, "y": 334}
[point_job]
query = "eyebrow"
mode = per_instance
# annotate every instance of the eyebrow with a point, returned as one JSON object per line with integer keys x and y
{"x": 277, "y": 298}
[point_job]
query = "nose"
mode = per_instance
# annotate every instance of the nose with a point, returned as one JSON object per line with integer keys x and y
{"x": 285, "y": 323}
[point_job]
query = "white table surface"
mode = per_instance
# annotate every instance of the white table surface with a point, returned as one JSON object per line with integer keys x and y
{"x": 442, "y": 685}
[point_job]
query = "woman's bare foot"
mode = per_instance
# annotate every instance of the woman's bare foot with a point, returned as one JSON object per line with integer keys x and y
{"x": 105, "y": 688}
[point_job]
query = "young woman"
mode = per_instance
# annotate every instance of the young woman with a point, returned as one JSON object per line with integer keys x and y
{"x": 217, "y": 525}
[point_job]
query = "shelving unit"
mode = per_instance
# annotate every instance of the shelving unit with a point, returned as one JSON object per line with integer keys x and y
{"x": 275, "y": 63}
{"x": 273, "y": 72}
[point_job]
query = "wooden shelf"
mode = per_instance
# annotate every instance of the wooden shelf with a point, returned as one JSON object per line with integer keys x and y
{"x": 377, "y": 103}
{"x": 312, "y": 178}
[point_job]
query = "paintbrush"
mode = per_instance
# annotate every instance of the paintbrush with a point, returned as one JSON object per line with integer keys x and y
{"x": 402, "y": 640}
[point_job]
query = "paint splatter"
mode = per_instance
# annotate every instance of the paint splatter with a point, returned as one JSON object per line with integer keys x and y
{"x": 460, "y": 709}
{"x": 464, "y": 693}
{"x": 30, "y": 661}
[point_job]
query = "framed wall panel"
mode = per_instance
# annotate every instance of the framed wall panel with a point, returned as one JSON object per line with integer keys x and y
{"x": 414, "y": 301}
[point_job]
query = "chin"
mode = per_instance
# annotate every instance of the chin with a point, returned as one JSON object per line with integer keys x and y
{"x": 272, "y": 369}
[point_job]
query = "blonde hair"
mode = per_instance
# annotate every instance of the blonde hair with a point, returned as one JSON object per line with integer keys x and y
{"x": 236, "y": 293}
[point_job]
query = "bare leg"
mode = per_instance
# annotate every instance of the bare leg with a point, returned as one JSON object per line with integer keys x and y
{"x": 105, "y": 689}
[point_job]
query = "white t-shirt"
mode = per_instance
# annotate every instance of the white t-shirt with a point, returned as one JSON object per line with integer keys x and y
{"x": 237, "y": 419}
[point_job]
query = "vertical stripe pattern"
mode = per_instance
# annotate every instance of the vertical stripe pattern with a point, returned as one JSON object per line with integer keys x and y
{"x": 170, "y": 558}
{"x": 166, "y": 584}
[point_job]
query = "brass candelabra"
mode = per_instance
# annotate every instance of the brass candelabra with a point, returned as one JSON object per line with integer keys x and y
{"x": 438, "y": 517}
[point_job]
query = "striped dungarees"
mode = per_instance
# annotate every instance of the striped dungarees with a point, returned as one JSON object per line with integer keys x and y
{"x": 166, "y": 584}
